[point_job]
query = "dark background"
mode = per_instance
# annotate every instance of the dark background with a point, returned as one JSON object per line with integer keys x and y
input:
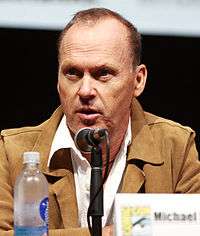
{"x": 28, "y": 65}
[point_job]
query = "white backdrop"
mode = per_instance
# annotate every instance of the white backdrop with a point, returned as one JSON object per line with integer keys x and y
{"x": 171, "y": 17}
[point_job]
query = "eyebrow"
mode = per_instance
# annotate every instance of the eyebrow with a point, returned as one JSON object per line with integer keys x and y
{"x": 105, "y": 66}
{"x": 68, "y": 64}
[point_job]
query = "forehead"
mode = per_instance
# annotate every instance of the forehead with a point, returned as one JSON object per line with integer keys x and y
{"x": 108, "y": 36}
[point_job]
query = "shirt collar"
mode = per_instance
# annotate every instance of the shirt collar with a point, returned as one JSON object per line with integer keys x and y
{"x": 63, "y": 139}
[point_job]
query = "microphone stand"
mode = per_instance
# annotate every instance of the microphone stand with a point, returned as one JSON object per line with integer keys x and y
{"x": 96, "y": 194}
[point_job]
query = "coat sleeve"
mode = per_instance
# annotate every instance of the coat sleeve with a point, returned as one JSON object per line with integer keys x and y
{"x": 6, "y": 192}
{"x": 189, "y": 174}
{"x": 6, "y": 203}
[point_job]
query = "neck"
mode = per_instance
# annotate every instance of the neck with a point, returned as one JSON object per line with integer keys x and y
{"x": 116, "y": 140}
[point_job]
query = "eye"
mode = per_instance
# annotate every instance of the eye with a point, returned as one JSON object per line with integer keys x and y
{"x": 103, "y": 74}
{"x": 72, "y": 73}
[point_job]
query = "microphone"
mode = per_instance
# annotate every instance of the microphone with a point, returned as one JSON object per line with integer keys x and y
{"x": 87, "y": 138}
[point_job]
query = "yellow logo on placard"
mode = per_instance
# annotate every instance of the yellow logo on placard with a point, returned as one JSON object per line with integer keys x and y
{"x": 136, "y": 220}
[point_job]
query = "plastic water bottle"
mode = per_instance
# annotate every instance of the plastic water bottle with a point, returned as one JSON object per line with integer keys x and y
{"x": 31, "y": 199}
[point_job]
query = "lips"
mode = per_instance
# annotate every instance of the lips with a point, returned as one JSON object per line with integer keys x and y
{"x": 88, "y": 113}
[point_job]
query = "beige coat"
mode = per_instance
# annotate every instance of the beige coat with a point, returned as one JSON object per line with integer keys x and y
{"x": 162, "y": 158}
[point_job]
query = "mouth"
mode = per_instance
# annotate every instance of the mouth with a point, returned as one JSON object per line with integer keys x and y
{"x": 88, "y": 113}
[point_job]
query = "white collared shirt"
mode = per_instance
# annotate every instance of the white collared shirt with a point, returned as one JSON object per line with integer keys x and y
{"x": 82, "y": 172}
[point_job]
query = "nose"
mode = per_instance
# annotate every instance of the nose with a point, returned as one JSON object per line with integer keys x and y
{"x": 86, "y": 90}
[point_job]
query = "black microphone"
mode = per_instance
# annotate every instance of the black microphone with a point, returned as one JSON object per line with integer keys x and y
{"x": 86, "y": 138}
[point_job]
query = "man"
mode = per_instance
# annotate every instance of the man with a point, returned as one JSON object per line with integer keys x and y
{"x": 100, "y": 76}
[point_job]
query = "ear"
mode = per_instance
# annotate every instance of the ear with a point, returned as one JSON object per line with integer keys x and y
{"x": 140, "y": 79}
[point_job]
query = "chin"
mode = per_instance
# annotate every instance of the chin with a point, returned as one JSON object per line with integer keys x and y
{"x": 97, "y": 123}
{"x": 89, "y": 122}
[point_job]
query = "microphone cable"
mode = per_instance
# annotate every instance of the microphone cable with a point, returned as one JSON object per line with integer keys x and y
{"x": 103, "y": 181}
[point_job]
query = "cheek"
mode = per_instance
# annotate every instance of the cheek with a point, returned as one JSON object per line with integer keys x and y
{"x": 66, "y": 91}
{"x": 62, "y": 87}
{"x": 117, "y": 108}
{"x": 120, "y": 98}
{"x": 121, "y": 103}
{"x": 66, "y": 95}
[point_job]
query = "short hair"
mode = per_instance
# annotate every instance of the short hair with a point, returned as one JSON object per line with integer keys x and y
{"x": 93, "y": 15}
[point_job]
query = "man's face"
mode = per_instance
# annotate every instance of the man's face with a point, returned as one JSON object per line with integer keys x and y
{"x": 96, "y": 77}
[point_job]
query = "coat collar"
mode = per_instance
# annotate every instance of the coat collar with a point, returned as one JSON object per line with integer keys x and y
{"x": 143, "y": 146}
{"x": 43, "y": 146}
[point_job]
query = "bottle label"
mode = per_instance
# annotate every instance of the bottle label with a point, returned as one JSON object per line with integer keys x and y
{"x": 41, "y": 214}
{"x": 33, "y": 231}
{"x": 44, "y": 204}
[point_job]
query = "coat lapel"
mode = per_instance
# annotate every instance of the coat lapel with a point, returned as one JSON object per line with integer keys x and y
{"x": 133, "y": 180}
{"x": 143, "y": 150}
{"x": 64, "y": 188}
{"x": 60, "y": 172}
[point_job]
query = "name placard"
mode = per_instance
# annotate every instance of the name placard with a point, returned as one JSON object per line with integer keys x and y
{"x": 157, "y": 214}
